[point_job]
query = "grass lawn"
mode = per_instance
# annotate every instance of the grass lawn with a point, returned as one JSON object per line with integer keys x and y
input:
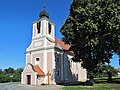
{"x": 101, "y": 84}
{"x": 96, "y": 87}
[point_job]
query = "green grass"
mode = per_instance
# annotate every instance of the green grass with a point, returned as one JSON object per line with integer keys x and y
{"x": 96, "y": 87}
{"x": 101, "y": 84}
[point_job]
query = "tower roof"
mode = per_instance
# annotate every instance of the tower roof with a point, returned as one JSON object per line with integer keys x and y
{"x": 44, "y": 13}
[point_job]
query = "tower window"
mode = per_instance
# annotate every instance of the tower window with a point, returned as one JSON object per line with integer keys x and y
{"x": 49, "y": 28}
{"x": 38, "y": 27}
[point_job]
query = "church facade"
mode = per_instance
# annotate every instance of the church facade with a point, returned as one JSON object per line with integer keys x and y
{"x": 48, "y": 60}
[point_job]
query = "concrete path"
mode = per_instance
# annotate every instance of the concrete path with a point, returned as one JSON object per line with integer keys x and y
{"x": 17, "y": 86}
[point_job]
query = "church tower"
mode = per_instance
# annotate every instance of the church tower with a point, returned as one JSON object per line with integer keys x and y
{"x": 40, "y": 53}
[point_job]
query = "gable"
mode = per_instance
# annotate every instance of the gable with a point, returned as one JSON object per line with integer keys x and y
{"x": 28, "y": 68}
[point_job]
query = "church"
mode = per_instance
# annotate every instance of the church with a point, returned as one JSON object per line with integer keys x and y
{"x": 48, "y": 60}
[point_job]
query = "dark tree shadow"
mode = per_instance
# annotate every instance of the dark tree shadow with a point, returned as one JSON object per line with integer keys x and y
{"x": 105, "y": 80}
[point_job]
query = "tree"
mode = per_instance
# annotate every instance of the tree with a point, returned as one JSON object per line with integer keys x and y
{"x": 92, "y": 29}
{"x": 5, "y": 75}
{"x": 9, "y": 70}
{"x": 102, "y": 70}
{"x": 0, "y": 71}
{"x": 17, "y": 75}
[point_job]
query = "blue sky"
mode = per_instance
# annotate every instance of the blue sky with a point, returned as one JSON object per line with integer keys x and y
{"x": 16, "y": 17}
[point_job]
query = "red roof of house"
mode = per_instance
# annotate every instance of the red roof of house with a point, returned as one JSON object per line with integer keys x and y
{"x": 62, "y": 44}
{"x": 38, "y": 70}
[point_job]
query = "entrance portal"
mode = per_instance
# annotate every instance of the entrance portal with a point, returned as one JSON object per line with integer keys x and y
{"x": 28, "y": 79}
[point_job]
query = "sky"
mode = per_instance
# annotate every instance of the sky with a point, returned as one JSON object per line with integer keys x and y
{"x": 16, "y": 17}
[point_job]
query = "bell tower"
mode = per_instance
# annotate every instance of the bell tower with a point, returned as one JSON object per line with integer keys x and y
{"x": 40, "y": 53}
{"x": 43, "y": 27}
{"x": 42, "y": 45}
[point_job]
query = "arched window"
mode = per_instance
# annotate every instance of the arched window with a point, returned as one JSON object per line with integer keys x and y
{"x": 38, "y": 27}
{"x": 49, "y": 28}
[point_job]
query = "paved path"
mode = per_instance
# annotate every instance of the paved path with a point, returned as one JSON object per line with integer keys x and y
{"x": 17, "y": 86}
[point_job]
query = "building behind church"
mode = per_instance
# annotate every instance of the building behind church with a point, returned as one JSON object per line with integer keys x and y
{"x": 48, "y": 59}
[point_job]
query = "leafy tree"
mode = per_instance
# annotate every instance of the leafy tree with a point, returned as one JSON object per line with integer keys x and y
{"x": 5, "y": 75}
{"x": 9, "y": 70}
{"x": 102, "y": 70}
{"x": 17, "y": 75}
{"x": 0, "y": 71}
{"x": 4, "y": 78}
{"x": 93, "y": 31}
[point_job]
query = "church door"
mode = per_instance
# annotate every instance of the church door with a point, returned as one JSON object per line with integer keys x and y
{"x": 28, "y": 79}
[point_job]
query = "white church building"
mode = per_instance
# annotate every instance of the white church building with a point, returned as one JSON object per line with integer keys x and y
{"x": 48, "y": 60}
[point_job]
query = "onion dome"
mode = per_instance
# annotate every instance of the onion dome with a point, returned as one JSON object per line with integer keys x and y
{"x": 44, "y": 13}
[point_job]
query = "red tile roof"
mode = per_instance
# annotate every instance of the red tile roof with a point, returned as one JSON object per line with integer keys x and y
{"x": 38, "y": 70}
{"x": 62, "y": 44}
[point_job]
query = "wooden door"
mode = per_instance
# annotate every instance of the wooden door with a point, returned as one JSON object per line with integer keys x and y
{"x": 28, "y": 79}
